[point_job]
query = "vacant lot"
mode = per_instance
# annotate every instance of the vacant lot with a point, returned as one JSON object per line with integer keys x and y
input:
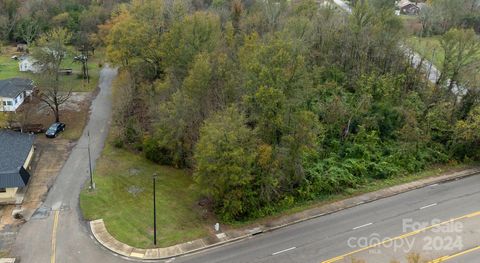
{"x": 123, "y": 198}
{"x": 9, "y": 69}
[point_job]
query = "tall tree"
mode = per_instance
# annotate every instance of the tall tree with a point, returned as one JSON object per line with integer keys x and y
{"x": 50, "y": 52}
{"x": 461, "y": 48}
{"x": 28, "y": 30}
{"x": 225, "y": 159}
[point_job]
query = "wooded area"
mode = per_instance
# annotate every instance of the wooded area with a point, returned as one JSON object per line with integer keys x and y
{"x": 275, "y": 102}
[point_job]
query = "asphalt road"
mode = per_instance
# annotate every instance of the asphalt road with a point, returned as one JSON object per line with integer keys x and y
{"x": 327, "y": 237}
{"x": 470, "y": 257}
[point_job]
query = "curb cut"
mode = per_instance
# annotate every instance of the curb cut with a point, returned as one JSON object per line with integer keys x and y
{"x": 102, "y": 236}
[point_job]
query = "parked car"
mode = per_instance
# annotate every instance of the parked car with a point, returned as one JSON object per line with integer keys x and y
{"x": 55, "y": 129}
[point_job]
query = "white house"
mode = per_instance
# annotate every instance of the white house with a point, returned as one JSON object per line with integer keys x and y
{"x": 13, "y": 93}
{"x": 28, "y": 64}
{"x": 16, "y": 154}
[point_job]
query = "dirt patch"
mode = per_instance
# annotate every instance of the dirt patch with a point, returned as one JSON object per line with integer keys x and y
{"x": 73, "y": 113}
{"x": 75, "y": 103}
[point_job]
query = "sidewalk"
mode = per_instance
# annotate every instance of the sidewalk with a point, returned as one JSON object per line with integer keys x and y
{"x": 103, "y": 237}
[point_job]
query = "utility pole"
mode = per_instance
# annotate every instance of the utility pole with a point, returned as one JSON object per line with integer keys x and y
{"x": 154, "y": 212}
{"x": 92, "y": 185}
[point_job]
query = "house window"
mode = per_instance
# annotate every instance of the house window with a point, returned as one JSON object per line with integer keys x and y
{"x": 9, "y": 103}
{"x": 4, "y": 103}
{"x": 15, "y": 101}
{"x": 3, "y": 190}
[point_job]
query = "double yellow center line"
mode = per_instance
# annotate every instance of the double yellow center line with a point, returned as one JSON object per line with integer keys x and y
{"x": 335, "y": 259}
{"x": 444, "y": 258}
{"x": 54, "y": 236}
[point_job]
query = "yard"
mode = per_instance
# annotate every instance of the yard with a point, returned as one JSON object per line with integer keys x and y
{"x": 75, "y": 111}
{"x": 431, "y": 49}
{"x": 9, "y": 69}
{"x": 123, "y": 198}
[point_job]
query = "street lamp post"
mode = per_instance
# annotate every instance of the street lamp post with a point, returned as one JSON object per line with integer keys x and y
{"x": 92, "y": 185}
{"x": 154, "y": 212}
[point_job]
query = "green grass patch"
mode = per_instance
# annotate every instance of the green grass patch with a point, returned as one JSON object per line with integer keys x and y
{"x": 428, "y": 47}
{"x": 8, "y": 67}
{"x": 431, "y": 49}
{"x": 123, "y": 198}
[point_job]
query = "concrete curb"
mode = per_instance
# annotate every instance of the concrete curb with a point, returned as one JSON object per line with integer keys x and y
{"x": 101, "y": 234}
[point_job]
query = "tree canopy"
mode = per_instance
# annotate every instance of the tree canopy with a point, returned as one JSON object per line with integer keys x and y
{"x": 276, "y": 102}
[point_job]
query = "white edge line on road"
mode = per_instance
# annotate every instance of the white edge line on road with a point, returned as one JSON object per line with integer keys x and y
{"x": 282, "y": 251}
{"x": 433, "y": 185}
{"x": 427, "y": 206}
{"x": 355, "y": 228}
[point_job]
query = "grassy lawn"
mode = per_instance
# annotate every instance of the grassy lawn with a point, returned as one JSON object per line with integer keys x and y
{"x": 429, "y": 47}
{"x": 123, "y": 198}
{"x": 9, "y": 69}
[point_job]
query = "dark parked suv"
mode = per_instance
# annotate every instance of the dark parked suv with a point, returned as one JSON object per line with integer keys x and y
{"x": 55, "y": 129}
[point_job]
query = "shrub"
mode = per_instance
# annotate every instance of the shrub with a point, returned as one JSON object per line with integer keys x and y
{"x": 156, "y": 153}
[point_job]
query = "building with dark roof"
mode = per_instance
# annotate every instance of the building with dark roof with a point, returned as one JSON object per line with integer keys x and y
{"x": 13, "y": 92}
{"x": 16, "y": 153}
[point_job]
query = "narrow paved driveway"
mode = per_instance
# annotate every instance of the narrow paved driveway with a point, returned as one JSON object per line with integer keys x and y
{"x": 69, "y": 241}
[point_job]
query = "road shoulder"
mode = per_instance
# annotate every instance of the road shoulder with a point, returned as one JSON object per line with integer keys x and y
{"x": 101, "y": 234}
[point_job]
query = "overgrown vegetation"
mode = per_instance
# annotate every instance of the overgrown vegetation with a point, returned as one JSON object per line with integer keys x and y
{"x": 272, "y": 103}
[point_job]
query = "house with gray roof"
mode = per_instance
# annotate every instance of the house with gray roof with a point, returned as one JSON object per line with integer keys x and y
{"x": 16, "y": 154}
{"x": 13, "y": 92}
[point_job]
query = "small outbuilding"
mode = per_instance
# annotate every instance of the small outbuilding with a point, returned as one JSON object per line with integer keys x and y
{"x": 407, "y": 7}
{"x": 28, "y": 64}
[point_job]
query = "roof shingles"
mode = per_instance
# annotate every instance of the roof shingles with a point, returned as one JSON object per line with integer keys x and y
{"x": 11, "y": 88}
{"x": 14, "y": 150}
